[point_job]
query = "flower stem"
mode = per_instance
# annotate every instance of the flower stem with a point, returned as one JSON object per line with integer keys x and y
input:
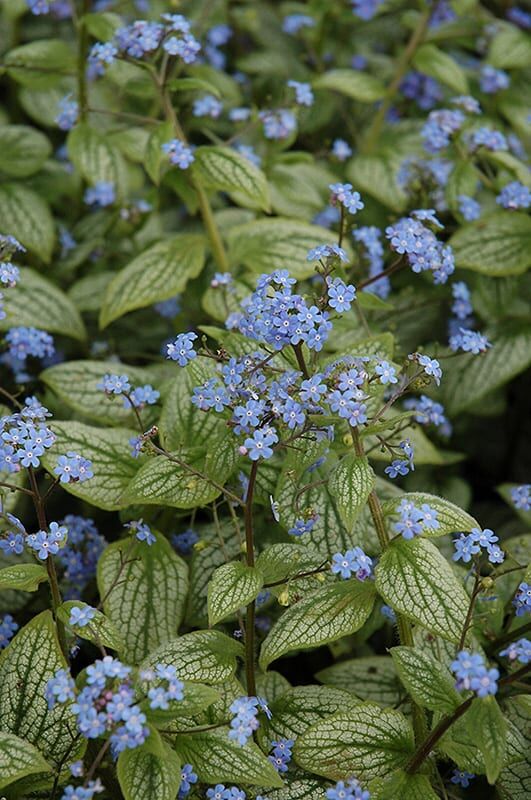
{"x": 249, "y": 553}
{"x": 82, "y": 42}
{"x": 404, "y": 627}
{"x": 375, "y": 128}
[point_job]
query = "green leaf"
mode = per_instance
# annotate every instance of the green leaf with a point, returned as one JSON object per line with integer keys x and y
{"x": 96, "y": 159}
{"x": 144, "y": 775}
{"x": 367, "y": 741}
{"x": 18, "y": 758}
{"x": 206, "y": 656}
{"x": 154, "y": 155}
{"x": 25, "y": 577}
{"x": 193, "y": 85}
{"x": 463, "y": 179}
{"x": 144, "y": 599}
{"x": 197, "y": 698}
{"x": 161, "y": 271}
{"x": 471, "y": 377}
{"x": 99, "y": 630}
{"x": 216, "y": 758}
{"x": 226, "y": 169}
{"x": 102, "y": 26}
{"x": 507, "y": 161}
{"x": 497, "y": 244}
{"x": 76, "y": 384}
{"x": 26, "y": 666}
{"x": 515, "y": 778}
{"x": 333, "y": 611}
{"x": 23, "y": 150}
{"x": 439, "y": 65}
{"x": 352, "y": 83}
{"x": 510, "y": 48}
{"x": 427, "y": 681}
{"x": 376, "y": 175}
{"x": 415, "y": 579}
{"x": 163, "y": 482}
{"x": 217, "y": 546}
{"x": 278, "y": 243}
{"x": 109, "y": 451}
{"x": 35, "y": 301}
{"x": 284, "y": 560}
{"x": 488, "y": 730}
{"x": 450, "y": 517}
{"x": 40, "y": 64}
{"x": 232, "y": 586}
{"x": 351, "y": 483}
{"x": 404, "y": 786}
{"x": 370, "y": 678}
{"x": 27, "y": 217}
{"x": 305, "y": 789}
{"x": 302, "y": 706}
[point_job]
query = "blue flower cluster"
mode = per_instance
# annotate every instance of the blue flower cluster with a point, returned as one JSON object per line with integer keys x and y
{"x": 219, "y": 792}
{"x": 429, "y": 412}
{"x": 47, "y": 543}
{"x": 475, "y": 544}
{"x": 302, "y": 526}
{"x": 82, "y": 792}
{"x": 101, "y": 195}
{"x": 73, "y": 468}
{"x": 68, "y": 113}
{"x": 348, "y": 790}
{"x": 244, "y": 721}
{"x": 294, "y": 23}
{"x": 353, "y": 562}
{"x": 488, "y": 138}
{"x": 303, "y": 93}
{"x": 366, "y": 9}
{"x": 413, "y": 521}
{"x": 514, "y": 195}
{"x": 8, "y": 628}
{"x": 281, "y": 755}
{"x": 440, "y": 127}
{"x": 341, "y": 149}
{"x": 140, "y": 397}
{"x": 278, "y": 123}
{"x": 521, "y": 496}
{"x": 468, "y": 207}
{"x": 141, "y": 530}
{"x": 60, "y": 9}
{"x": 343, "y": 195}
{"x": 522, "y": 599}
{"x": 472, "y": 674}
{"x": 184, "y": 542}
{"x": 24, "y": 436}
{"x": 371, "y": 238}
{"x": 143, "y": 38}
{"x": 401, "y": 466}
{"x": 207, "y": 105}
{"x": 81, "y": 616}
{"x": 425, "y": 91}
{"x": 518, "y": 651}
{"x": 24, "y": 342}
{"x": 79, "y": 557}
{"x": 327, "y": 251}
{"x": 469, "y": 342}
{"x": 493, "y": 80}
{"x": 410, "y": 237}
{"x": 180, "y": 154}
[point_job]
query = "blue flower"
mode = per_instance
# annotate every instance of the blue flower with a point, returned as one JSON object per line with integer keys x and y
{"x": 462, "y": 778}
{"x": 188, "y": 777}
{"x": 100, "y": 195}
{"x": 386, "y": 372}
{"x": 81, "y": 616}
{"x": 493, "y": 80}
{"x": 303, "y": 92}
{"x": 324, "y": 251}
{"x": 259, "y": 445}
{"x": 141, "y": 531}
{"x": 185, "y": 541}
{"x": 180, "y": 154}
{"x": 278, "y": 124}
{"x": 352, "y": 562}
{"x": 293, "y": 23}
{"x": 13, "y": 544}
{"x": 521, "y": 496}
{"x": 518, "y": 651}
{"x": 8, "y": 628}
{"x": 341, "y": 149}
{"x": 73, "y": 468}
{"x": 431, "y": 367}
{"x": 469, "y": 208}
{"x": 469, "y": 341}
{"x": 182, "y": 349}
{"x": 514, "y": 195}
{"x": 207, "y": 106}
{"x": 68, "y": 113}
{"x": 340, "y": 296}
{"x": 301, "y": 526}
{"x": 522, "y": 599}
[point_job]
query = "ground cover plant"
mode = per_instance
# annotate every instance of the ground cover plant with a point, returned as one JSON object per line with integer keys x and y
{"x": 264, "y": 393}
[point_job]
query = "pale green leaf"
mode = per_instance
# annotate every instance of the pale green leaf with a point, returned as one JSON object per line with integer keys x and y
{"x": 404, "y": 786}
{"x": 415, "y": 579}
{"x": 376, "y": 175}
{"x": 231, "y": 587}
{"x": 286, "y": 559}
{"x": 25, "y": 577}
{"x": 331, "y": 612}
{"x": 510, "y": 48}
{"x": 350, "y": 483}
{"x": 208, "y": 656}
{"x": 99, "y": 630}
{"x": 277, "y": 243}
{"x": 450, "y": 517}
{"x": 145, "y": 775}
{"x": 216, "y": 758}
{"x": 497, "y": 244}
{"x": 76, "y": 384}
{"x": 18, "y": 758}
{"x": 226, "y": 169}
{"x": 352, "y": 83}
{"x": 41, "y": 63}
{"x": 23, "y": 150}
{"x": 26, "y": 666}
{"x": 302, "y": 706}
{"x": 110, "y": 453}
{"x": 370, "y": 678}
{"x": 35, "y": 301}
{"x": 26, "y": 216}
{"x": 154, "y": 155}
{"x": 427, "y": 681}
{"x": 145, "y": 598}
{"x": 488, "y": 730}
{"x": 367, "y": 741}
{"x": 434, "y": 62}
{"x": 471, "y": 377}
{"x": 96, "y": 158}
{"x": 158, "y": 273}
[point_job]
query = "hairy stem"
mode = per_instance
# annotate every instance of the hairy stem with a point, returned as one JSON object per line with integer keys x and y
{"x": 375, "y": 128}
{"x": 404, "y": 627}
{"x": 473, "y": 597}
{"x": 438, "y": 732}
{"x": 249, "y": 553}
{"x": 82, "y": 43}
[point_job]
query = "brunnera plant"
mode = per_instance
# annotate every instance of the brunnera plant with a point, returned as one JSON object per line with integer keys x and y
{"x": 264, "y": 292}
